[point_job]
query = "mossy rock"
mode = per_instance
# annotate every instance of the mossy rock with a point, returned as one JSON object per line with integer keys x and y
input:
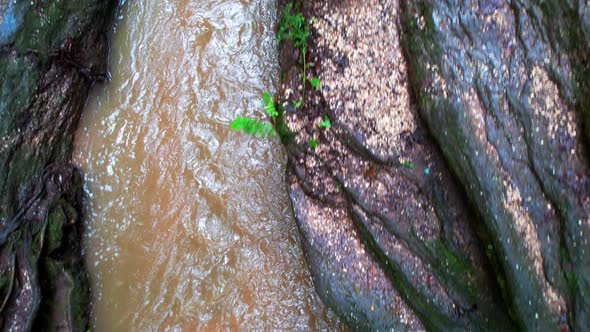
{"x": 51, "y": 53}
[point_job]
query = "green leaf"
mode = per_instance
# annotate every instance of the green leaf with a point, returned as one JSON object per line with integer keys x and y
{"x": 313, "y": 143}
{"x": 299, "y": 103}
{"x": 326, "y": 123}
{"x": 269, "y": 104}
{"x": 293, "y": 27}
{"x": 314, "y": 82}
{"x": 408, "y": 164}
{"x": 253, "y": 127}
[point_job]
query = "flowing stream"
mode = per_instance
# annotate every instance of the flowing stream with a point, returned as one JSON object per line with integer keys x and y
{"x": 189, "y": 225}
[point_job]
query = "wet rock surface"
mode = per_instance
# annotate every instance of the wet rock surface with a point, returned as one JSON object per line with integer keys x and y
{"x": 503, "y": 89}
{"x": 50, "y": 55}
{"x": 452, "y": 191}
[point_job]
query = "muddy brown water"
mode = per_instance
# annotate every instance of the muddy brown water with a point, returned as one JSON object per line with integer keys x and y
{"x": 189, "y": 225}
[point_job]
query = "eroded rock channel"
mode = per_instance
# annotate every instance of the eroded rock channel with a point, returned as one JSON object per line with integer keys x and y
{"x": 450, "y": 191}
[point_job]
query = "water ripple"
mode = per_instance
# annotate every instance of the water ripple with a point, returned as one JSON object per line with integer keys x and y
{"x": 189, "y": 224}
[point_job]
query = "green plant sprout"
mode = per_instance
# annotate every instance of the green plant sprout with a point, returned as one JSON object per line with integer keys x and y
{"x": 313, "y": 143}
{"x": 326, "y": 123}
{"x": 299, "y": 103}
{"x": 253, "y": 127}
{"x": 294, "y": 27}
{"x": 408, "y": 164}
{"x": 269, "y": 105}
{"x": 315, "y": 83}
{"x": 256, "y": 127}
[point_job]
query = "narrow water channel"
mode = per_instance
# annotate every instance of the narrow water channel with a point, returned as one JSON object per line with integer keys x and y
{"x": 189, "y": 226}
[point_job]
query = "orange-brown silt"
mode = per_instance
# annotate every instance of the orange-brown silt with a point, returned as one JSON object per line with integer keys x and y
{"x": 189, "y": 226}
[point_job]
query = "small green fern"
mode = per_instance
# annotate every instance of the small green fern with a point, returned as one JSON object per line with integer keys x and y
{"x": 256, "y": 127}
{"x": 295, "y": 28}
{"x": 269, "y": 105}
{"x": 253, "y": 127}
